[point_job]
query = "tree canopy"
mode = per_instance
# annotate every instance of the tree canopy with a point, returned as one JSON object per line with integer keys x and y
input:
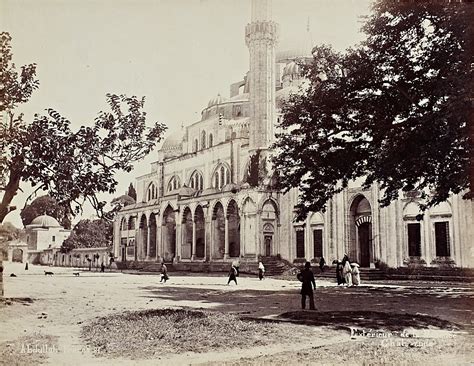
{"x": 89, "y": 234}
{"x": 394, "y": 110}
{"x": 73, "y": 166}
{"x": 45, "y": 205}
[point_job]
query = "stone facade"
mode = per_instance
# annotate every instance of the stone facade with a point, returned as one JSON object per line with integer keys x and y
{"x": 197, "y": 203}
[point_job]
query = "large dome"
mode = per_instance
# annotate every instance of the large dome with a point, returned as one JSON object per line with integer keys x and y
{"x": 217, "y": 100}
{"x": 45, "y": 221}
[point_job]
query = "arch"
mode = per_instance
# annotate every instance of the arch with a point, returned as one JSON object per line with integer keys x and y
{"x": 17, "y": 255}
{"x": 233, "y": 228}
{"x": 218, "y": 231}
{"x": 187, "y": 233}
{"x": 203, "y": 139}
{"x": 168, "y": 234}
{"x": 441, "y": 209}
{"x": 196, "y": 181}
{"x": 143, "y": 238}
{"x": 316, "y": 219}
{"x": 174, "y": 183}
{"x": 360, "y": 231}
{"x": 411, "y": 210}
{"x": 131, "y": 223}
{"x": 152, "y": 191}
{"x": 269, "y": 209}
{"x": 221, "y": 176}
{"x": 211, "y": 140}
{"x": 200, "y": 231}
{"x": 153, "y": 230}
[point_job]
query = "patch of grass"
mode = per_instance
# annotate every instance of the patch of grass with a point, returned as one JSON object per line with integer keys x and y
{"x": 28, "y": 350}
{"x": 151, "y": 333}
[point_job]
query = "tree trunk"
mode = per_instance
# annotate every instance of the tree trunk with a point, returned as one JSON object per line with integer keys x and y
{"x": 10, "y": 191}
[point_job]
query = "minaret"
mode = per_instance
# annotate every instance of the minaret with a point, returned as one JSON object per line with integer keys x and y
{"x": 261, "y": 36}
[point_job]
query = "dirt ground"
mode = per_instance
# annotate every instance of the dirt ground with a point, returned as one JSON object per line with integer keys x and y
{"x": 392, "y": 323}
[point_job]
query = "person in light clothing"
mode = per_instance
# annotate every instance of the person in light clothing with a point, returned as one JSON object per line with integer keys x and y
{"x": 355, "y": 274}
{"x": 261, "y": 271}
{"x": 347, "y": 273}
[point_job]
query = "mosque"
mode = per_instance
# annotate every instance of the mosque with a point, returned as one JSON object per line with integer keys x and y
{"x": 208, "y": 198}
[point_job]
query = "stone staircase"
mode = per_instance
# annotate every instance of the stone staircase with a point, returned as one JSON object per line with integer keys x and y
{"x": 274, "y": 266}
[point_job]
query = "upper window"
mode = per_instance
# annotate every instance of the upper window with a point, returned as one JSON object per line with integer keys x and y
{"x": 174, "y": 184}
{"x": 196, "y": 181}
{"x": 152, "y": 192}
{"x": 221, "y": 176}
{"x": 203, "y": 140}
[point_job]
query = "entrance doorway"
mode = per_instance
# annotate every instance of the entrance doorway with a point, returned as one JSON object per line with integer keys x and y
{"x": 364, "y": 233}
{"x": 268, "y": 244}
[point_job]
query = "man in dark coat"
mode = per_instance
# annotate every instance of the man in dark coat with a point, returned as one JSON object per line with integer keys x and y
{"x": 308, "y": 283}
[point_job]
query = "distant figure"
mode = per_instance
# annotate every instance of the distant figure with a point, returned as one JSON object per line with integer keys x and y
{"x": 236, "y": 265}
{"x": 308, "y": 283}
{"x": 164, "y": 273}
{"x": 339, "y": 277}
{"x": 102, "y": 267}
{"x": 345, "y": 259}
{"x": 261, "y": 271}
{"x": 322, "y": 263}
{"x": 347, "y": 273}
{"x": 233, "y": 275}
{"x": 26, "y": 266}
{"x": 12, "y": 275}
{"x": 355, "y": 274}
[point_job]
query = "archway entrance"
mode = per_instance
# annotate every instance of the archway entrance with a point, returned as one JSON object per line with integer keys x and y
{"x": 269, "y": 221}
{"x": 152, "y": 249}
{"x": 168, "y": 234}
{"x": 17, "y": 255}
{"x": 218, "y": 231}
{"x": 200, "y": 232}
{"x": 233, "y": 222}
{"x": 361, "y": 232}
{"x": 187, "y": 228}
{"x": 142, "y": 252}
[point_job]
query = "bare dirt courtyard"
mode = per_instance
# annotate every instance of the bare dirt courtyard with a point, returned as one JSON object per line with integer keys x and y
{"x": 118, "y": 318}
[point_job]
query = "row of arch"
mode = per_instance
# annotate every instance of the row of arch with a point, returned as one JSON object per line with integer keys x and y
{"x": 221, "y": 177}
{"x": 199, "y": 233}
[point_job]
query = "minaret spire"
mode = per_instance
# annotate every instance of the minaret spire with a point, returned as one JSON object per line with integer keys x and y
{"x": 261, "y": 36}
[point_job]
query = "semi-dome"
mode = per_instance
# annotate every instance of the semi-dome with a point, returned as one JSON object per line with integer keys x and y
{"x": 173, "y": 141}
{"x": 217, "y": 100}
{"x": 45, "y": 221}
{"x": 293, "y": 54}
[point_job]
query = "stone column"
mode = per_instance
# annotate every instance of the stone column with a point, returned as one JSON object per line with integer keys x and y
{"x": 148, "y": 241}
{"x": 193, "y": 250}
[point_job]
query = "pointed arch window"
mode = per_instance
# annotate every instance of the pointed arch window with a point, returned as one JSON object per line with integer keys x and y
{"x": 196, "y": 181}
{"x": 203, "y": 140}
{"x": 221, "y": 176}
{"x": 152, "y": 192}
{"x": 174, "y": 184}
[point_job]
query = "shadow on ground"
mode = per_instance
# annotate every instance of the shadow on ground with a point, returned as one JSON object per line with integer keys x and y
{"x": 391, "y": 308}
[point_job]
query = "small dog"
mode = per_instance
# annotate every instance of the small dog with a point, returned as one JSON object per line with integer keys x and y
{"x": 76, "y": 274}
{"x": 48, "y": 273}
{"x": 12, "y": 275}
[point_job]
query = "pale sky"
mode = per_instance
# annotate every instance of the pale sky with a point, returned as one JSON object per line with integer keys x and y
{"x": 177, "y": 53}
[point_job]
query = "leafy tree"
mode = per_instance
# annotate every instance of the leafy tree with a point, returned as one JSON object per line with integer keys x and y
{"x": 117, "y": 204}
{"x": 72, "y": 166}
{"x": 395, "y": 110}
{"x": 44, "y": 205}
{"x": 89, "y": 234}
{"x": 132, "y": 192}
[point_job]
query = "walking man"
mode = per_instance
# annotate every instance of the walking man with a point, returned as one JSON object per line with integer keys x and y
{"x": 308, "y": 283}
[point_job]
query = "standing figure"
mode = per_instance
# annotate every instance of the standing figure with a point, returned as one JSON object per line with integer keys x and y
{"x": 232, "y": 275}
{"x": 308, "y": 283}
{"x": 164, "y": 273}
{"x": 322, "y": 263}
{"x": 102, "y": 267}
{"x": 347, "y": 272}
{"x": 261, "y": 271}
{"x": 26, "y": 266}
{"x": 339, "y": 276}
{"x": 355, "y": 274}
